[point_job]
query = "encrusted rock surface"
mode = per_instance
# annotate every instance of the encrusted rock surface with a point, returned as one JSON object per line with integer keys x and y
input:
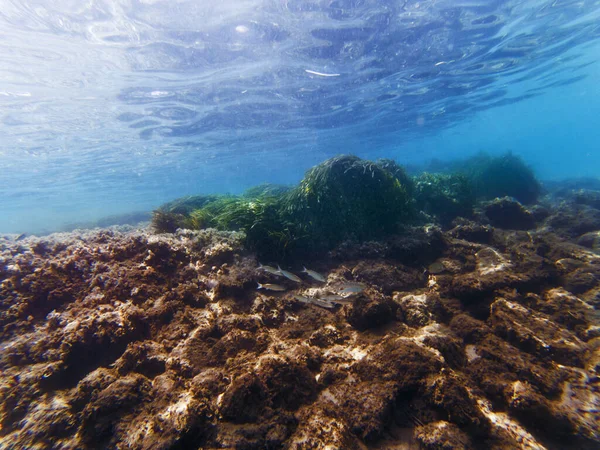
{"x": 509, "y": 213}
{"x": 120, "y": 338}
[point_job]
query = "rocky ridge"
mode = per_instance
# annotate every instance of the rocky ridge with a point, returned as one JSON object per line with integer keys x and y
{"x": 121, "y": 338}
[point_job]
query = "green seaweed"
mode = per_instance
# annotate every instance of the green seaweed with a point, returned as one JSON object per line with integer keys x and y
{"x": 266, "y": 190}
{"x": 343, "y": 198}
{"x": 445, "y": 196}
{"x": 186, "y": 205}
{"x": 346, "y": 197}
{"x": 168, "y": 222}
{"x": 500, "y": 176}
{"x": 399, "y": 172}
{"x": 182, "y": 213}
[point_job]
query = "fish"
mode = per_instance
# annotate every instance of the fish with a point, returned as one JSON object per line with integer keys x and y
{"x": 341, "y": 300}
{"x": 21, "y": 236}
{"x": 322, "y": 303}
{"x": 436, "y": 267}
{"x": 352, "y": 288}
{"x": 269, "y": 269}
{"x": 315, "y": 275}
{"x": 271, "y": 287}
{"x": 303, "y": 299}
{"x": 289, "y": 275}
{"x": 315, "y": 301}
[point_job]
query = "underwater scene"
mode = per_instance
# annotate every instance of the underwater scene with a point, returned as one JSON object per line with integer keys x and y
{"x": 312, "y": 224}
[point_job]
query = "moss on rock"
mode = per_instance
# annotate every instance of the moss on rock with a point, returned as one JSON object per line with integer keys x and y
{"x": 342, "y": 198}
{"x": 501, "y": 176}
{"x": 444, "y": 196}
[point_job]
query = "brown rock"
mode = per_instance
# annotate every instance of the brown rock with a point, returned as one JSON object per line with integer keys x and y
{"x": 534, "y": 333}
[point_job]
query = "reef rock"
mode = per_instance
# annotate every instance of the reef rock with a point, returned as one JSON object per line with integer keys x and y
{"x": 509, "y": 214}
{"x": 479, "y": 336}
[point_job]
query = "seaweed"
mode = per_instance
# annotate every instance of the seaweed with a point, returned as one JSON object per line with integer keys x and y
{"x": 167, "y": 222}
{"x": 343, "y": 198}
{"x": 445, "y": 196}
{"x": 346, "y": 197}
{"x": 186, "y": 205}
{"x": 501, "y": 176}
{"x": 399, "y": 172}
{"x": 180, "y": 213}
{"x": 266, "y": 190}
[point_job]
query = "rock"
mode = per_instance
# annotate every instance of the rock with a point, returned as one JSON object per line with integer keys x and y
{"x": 534, "y": 333}
{"x": 472, "y": 231}
{"x": 587, "y": 197}
{"x": 244, "y": 400}
{"x": 450, "y": 394}
{"x": 532, "y": 408}
{"x": 574, "y": 220}
{"x": 326, "y": 337}
{"x": 103, "y": 413}
{"x": 417, "y": 310}
{"x": 124, "y": 339}
{"x": 509, "y": 214}
{"x": 367, "y": 312}
{"x": 442, "y": 435}
{"x": 388, "y": 277}
{"x": 581, "y": 280}
{"x": 417, "y": 245}
{"x": 590, "y": 240}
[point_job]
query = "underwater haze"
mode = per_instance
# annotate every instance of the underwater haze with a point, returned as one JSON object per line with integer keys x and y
{"x": 114, "y": 107}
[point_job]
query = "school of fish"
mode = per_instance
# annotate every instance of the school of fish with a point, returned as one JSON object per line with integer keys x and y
{"x": 341, "y": 294}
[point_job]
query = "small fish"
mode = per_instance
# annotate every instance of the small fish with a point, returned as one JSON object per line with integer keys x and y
{"x": 289, "y": 275}
{"x": 271, "y": 287}
{"x": 340, "y": 300}
{"x": 352, "y": 289}
{"x": 269, "y": 269}
{"x": 316, "y": 275}
{"x": 21, "y": 236}
{"x": 322, "y": 303}
{"x": 436, "y": 267}
{"x": 303, "y": 299}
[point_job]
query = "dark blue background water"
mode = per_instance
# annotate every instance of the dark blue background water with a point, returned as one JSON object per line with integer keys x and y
{"x": 108, "y": 107}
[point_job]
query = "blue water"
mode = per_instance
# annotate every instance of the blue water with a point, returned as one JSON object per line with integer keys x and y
{"x": 109, "y": 107}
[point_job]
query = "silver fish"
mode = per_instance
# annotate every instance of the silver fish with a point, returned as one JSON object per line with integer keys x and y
{"x": 352, "y": 289}
{"x": 269, "y": 269}
{"x": 316, "y": 275}
{"x": 436, "y": 267}
{"x": 349, "y": 300}
{"x": 289, "y": 275}
{"x": 303, "y": 299}
{"x": 322, "y": 303}
{"x": 345, "y": 300}
{"x": 271, "y": 287}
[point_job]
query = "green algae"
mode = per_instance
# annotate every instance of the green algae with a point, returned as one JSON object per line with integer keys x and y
{"x": 347, "y": 198}
{"x": 501, "y": 176}
{"x": 444, "y": 196}
{"x": 342, "y": 198}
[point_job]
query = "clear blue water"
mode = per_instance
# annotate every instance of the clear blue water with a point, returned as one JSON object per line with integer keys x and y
{"x": 108, "y": 107}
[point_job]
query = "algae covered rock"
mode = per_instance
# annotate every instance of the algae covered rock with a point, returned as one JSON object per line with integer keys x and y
{"x": 444, "y": 196}
{"x": 509, "y": 214}
{"x": 342, "y": 198}
{"x": 501, "y": 176}
{"x": 399, "y": 172}
{"x": 347, "y": 197}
